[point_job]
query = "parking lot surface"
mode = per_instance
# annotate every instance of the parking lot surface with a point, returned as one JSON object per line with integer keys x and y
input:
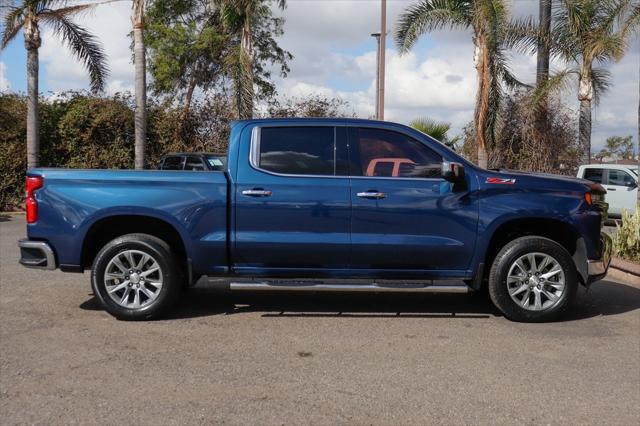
{"x": 309, "y": 359}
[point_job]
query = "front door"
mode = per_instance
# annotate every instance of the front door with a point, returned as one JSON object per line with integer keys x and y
{"x": 293, "y": 204}
{"x": 405, "y": 216}
{"x": 622, "y": 191}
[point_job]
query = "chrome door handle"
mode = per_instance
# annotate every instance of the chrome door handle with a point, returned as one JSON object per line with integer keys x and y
{"x": 256, "y": 193}
{"x": 372, "y": 194}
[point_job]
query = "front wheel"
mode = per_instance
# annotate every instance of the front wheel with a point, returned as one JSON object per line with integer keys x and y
{"x": 533, "y": 279}
{"x": 135, "y": 277}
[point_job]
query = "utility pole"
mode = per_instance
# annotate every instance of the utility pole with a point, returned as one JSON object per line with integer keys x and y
{"x": 377, "y": 37}
{"x": 381, "y": 62}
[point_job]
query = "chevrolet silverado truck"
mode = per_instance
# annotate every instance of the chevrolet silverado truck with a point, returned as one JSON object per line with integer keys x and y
{"x": 321, "y": 205}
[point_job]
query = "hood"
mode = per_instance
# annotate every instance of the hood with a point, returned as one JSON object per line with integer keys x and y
{"x": 534, "y": 180}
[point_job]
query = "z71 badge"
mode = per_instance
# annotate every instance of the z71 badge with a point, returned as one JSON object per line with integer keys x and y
{"x": 500, "y": 181}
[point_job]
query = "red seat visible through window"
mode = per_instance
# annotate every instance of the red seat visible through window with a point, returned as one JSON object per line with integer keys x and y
{"x": 387, "y": 167}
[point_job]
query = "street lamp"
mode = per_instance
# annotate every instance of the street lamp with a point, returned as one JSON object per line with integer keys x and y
{"x": 377, "y": 37}
{"x": 380, "y": 60}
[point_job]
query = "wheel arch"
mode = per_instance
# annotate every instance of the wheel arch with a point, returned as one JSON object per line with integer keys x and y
{"x": 107, "y": 228}
{"x": 561, "y": 232}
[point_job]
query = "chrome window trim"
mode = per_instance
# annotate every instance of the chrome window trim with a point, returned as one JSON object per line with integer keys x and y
{"x": 254, "y": 155}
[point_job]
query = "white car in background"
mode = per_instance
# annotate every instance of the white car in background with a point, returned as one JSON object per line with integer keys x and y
{"x": 620, "y": 181}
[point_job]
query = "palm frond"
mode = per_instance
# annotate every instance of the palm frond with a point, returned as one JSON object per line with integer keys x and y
{"x": 602, "y": 81}
{"x": 69, "y": 11}
{"x": 429, "y": 15}
{"x": 522, "y": 35}
{"x": 84, "y": 46}
{"x": 13, "y": 22}
{"x": 556, "y": 83}
{"x": 435, "y": 129}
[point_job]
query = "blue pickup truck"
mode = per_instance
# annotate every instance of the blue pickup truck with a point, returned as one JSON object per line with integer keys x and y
{"x": 321, "y": 205}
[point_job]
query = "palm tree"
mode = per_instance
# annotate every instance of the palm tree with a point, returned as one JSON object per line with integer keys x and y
{"x": 139, "y": 60}
{"x": 28, "y": 16}
{"x": 239, "y": 17}
{"x": 488, "y": 20}
{"x": 585, "y": 34}
{"x": 435, "y": 129}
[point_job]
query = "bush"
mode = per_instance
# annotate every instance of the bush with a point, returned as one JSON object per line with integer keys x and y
{"x": 626, "y": 242}
{"x": 526, "y": 142}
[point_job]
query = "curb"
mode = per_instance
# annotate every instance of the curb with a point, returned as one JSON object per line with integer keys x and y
{"x": 626, "y": 266}
{"x": 624, "y": 270}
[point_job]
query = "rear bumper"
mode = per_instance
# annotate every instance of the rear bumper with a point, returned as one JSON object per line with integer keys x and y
{"x": 597, "y": 268}
{"x": 37, "y": 254}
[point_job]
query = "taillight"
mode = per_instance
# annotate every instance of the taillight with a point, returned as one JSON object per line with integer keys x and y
{"x": 32, "y": 183}
{"x": 595, "y": 194}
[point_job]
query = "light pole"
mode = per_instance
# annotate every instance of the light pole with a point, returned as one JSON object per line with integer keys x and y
{"x": 377, "y": 37}
{"x": 383, "y": 36}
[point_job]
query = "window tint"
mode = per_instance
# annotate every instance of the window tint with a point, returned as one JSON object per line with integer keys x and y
{"x": 172, "y": 163}
{"x": 193, "y": 163}
{"x": 594, "y": 175}
{"x": 618, "y": 177}
{"x": 386, "y": 153}
{"x": 298, "y": 150}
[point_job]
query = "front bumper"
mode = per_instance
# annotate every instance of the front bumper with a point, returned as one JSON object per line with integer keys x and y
{"x": 597, "y": 268}
{"x": 37, "y": 254}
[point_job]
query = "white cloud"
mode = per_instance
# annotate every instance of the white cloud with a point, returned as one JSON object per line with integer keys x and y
{"x": 4, "y": 81}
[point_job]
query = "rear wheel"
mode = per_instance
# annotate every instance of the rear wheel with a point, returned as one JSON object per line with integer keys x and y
{"x": 135, "y": 277}
{"x": 533, "y": 279}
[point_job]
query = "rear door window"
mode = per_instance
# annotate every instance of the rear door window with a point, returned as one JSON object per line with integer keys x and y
{"x": 594, "y": 175}
{"x": 299, "y": 151}
{"x": 172, "y": 163}
{"x": 193, "y": 163}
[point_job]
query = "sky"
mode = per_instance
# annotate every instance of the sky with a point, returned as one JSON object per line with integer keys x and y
{"x": 334, "y": 55}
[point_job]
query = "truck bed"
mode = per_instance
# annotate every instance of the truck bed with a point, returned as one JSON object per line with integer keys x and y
{"x": 72, "y": 202}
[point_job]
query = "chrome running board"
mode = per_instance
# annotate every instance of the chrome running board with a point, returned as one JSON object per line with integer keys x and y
{"x": 372, "y": 287}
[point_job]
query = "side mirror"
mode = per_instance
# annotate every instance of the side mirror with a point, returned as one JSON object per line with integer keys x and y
{"x": 631, "y": 185}
{"x": 453, "y": 172}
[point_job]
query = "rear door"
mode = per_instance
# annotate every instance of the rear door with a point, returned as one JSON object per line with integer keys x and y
{"x": 405, "y": 216}
{"x": 293, "y": 202}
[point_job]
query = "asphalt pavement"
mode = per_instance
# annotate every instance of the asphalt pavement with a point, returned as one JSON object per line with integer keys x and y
{"x": 309, "y": 359}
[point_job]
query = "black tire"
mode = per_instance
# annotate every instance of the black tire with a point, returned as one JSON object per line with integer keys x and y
{"x": 161, "y": 252}
{"x": 498, "y": 288}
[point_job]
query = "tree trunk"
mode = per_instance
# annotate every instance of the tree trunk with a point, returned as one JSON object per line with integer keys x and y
{"x": 482, "y": 101}
{"x": 32, "y": 43}
{"x": 245, "y": 107}
{"x": 187, "y": 98}
{"x": 585, "y": 96}
{"x": 542, "y": 71}
{"x": 584, "y": 137}
{"x": 140, "y": 83}
{"x": 33, "y": 122}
